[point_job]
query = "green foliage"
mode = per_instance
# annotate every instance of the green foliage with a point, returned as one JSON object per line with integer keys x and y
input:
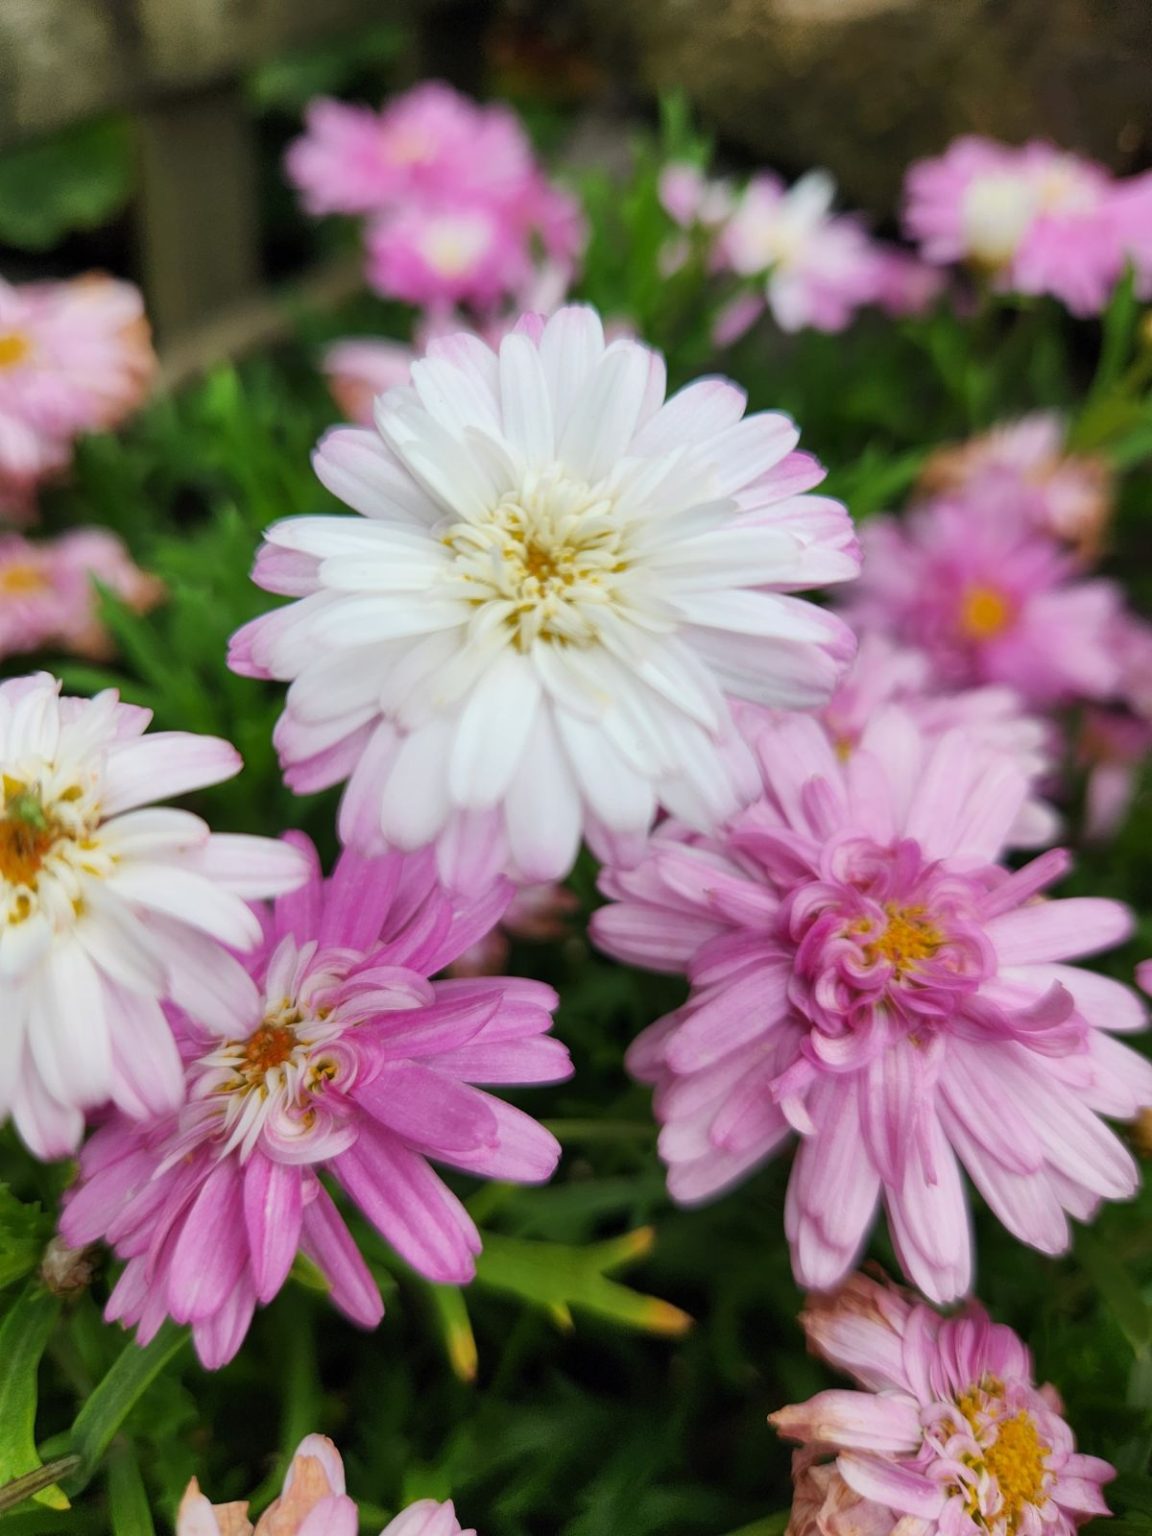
{"x": 76, "y": 180}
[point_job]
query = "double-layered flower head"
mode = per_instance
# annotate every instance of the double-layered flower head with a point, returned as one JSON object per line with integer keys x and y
{"x": 557, "y": 582}
{"x": 969, "y": 579}
{"x": 313, "y": 1502}
{"x": 348, "y": 1060}
{"x": 74, "y": 357}
{"x": 949, "y": 1434}
{"x": 865, "y": 973}
{"x": 1034, "y": 218}
{"x": 110, "y": 906}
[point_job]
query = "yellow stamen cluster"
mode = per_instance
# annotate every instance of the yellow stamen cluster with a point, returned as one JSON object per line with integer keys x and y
{"x": 27, "y": 833}
{"x": 14, "y": 348}
{"x": 1017, "y": 1458}
{"x": 907, "y": 937}
{"x": 984, "y": 613}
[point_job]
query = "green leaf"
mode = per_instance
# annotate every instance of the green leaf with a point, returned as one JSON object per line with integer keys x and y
{"x": 1119, "y": 1290}
{"x": 1119, "y": 328}
{"x": 99, "y": 1420}
{"x": 79, "y": 179}
{"x": 24, "y": 1230}
{"x": 24, "y": 1335}
{"x": 455, "y": 1328}
{"x": 127, "y": 1499}
{"x": 558, "y": 1277}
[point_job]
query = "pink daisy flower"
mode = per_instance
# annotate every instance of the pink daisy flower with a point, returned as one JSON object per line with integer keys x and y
{"x": 992, "y": 717}
{"x": 348, "y": 1060}
{"x": 313, "y": 1502}
{"x": 948, "y": 1435}
{"x": 430, "y": 145}
{"x": 819, "y": 268}
{"x": 1066, "y": 495}
{"x": 48, "y": 595}
{"x": 545, "y": 542}
{"x": 865, "y": 974}
{"x": 111, "y": 905}
{"x": 967, "y": 580}
{"x": 447, "y": 255}
{"x": 74, "y": 357}
{"x": 1036, "y": 219}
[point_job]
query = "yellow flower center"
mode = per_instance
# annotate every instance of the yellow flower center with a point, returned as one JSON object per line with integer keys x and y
{"x": 549, "y": 557}
{"x": 984, "y": 613}
{"x": 908, "y": 937}
{"x": 27, "y": 834}
{"x": 270, "y": 1046}
{"x": 15, "y": 579}
{"x": 14, "y": 348}
{"x": 1017, "y": 1458}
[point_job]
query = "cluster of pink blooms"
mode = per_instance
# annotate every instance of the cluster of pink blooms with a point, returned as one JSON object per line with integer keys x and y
{"x": 989, "y": 580}
{"x": 1032, "y": 219}
{"x": 948, "y": 1434}
{"x": 74, "y": 357}
{"x": 48, "y": 593}
{"x": 313, "y": 1502}
{"x": 809, "y": 267}
{"x": 457, "y": 209}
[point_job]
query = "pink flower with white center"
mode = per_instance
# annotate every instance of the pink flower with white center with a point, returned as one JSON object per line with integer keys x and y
{"x": 992, "y": 717}
{"x": 443, "y": 256}
{"x": 865, "y": 974}
{"x": 429, "y": 145}
{"x": 48, "y": 595}
{"x": 990, "y": 600}
{"x": 110, "y": 905}
{"x": 313, "y": 1503}
{"x": 820, "y": 268}
{"x": 74, "y": 357}
{"x": 1066, "y": 495}
{"x": 1034, "y": 218}
{"x": 948, "y": 1434}
{"x": 545, "y": 543}
{"x": 350, "y": 1061}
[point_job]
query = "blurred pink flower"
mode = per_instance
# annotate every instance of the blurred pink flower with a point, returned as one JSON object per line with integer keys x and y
{"x": 360, "y": 368}
{"x": 74, "y": 357}
{"x": 819, "y": 268}
{"x": 902, "y": 284}
{"x": 1067, "y": 495}
{"x": 349, "y": 1060}
{"x": 949, "y": 1435}
{"x": 313, "y": 1502}
{"x": 447, "y": 255}
{"x": 866, "y": 974}
{"x": 1034, "y": 218}
{"x": 968, "y": 580}
{"x": 541, "y": 914}
{"x": 690, "y": 197}
{"x": 48, "y": 597}
{"x": 1115, "y": 742}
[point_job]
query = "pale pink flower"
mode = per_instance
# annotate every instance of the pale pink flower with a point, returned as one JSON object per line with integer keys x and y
{"x": 48, "y": 596}
{"x": 360, "y": 368}
{"x": 430, "y": 145}
{"x": 111, "y": 905}
{"x": 948, "y": 1435}
{"x": 74, "y": 357}
{"x": 966, "y": 579}
{"x": 546, "y": 544}
{"x": 1034, "y": 218}
{"x": 865, "y": 974}
{"x": 346, "y": 1059}
{"x": 313, "y": 1502}
{"x": 902, "y": 284}
{"x": 819, "y": 268}
{"x": 447, "y": 255}
{"x": 691, "y": 198}
{"x": 992, "y": 717}
{"x": 1068, "y": 495}
{"x": 1115, "y": 742}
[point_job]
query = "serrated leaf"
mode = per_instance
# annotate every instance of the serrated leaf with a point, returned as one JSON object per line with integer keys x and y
{"x": 560, "y": 1278}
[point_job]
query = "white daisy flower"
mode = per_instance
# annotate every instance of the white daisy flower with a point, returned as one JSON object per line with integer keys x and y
{"x": 109, "y": 906}
{"x": 556, "y": 582}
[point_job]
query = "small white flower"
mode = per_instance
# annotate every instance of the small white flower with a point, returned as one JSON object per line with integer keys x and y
{"x": 556, "y": 582}
{"x": 108, "y": 907}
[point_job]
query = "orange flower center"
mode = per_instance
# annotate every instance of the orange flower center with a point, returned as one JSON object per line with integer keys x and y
{"x": 270, "y": 1046}
{"x": 984, "y": 613}
{"x": 14, "y": 348}
{"x": 27, "y": 834}
{"x": 26, "y": 577}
